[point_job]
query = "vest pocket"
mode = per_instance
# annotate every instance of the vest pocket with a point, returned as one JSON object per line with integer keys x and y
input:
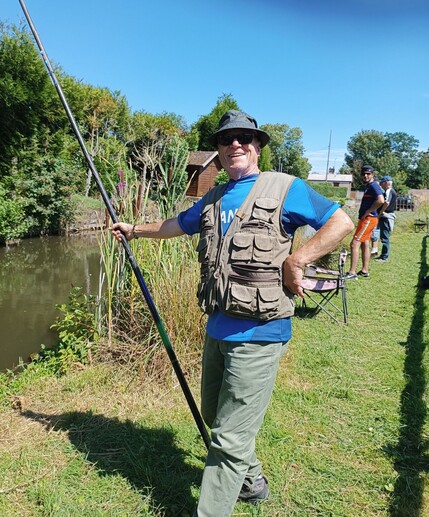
{"x": 268, "y": 300}
{"x": 206, "y": 290}
{"x": 203, "y": 247}
{"x": 242, "y": 299}
{"x": 252, "y": 292}
{"x": 248, "y": 247}
{"x": 242, "y": 247}
{"x": 264, "y": 208}
{"x": 263, "y": 248}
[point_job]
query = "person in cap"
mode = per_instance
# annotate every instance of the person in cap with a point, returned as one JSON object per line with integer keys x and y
{"x": 249, "y": 276}
{"x": 372, "y": 199}
{"x": 386, "y": 217}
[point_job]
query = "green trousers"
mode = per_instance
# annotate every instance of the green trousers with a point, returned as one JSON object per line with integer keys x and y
{"x": 236, "y": 387}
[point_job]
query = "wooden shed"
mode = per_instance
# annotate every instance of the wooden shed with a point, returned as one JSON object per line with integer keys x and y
{"x": 203, "y": 167}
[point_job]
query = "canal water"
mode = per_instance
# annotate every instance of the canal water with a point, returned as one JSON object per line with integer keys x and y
{"x": 36, "y": 275}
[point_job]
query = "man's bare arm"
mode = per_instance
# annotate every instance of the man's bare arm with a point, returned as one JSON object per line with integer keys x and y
{"x": 160, "y": 230}
{"x": 324, "y": 241}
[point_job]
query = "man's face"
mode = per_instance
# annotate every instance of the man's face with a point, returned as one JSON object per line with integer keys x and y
{"x": 383, "y": 185}
{"x": 367, "y": 177}
{"x": 239, "y": 159}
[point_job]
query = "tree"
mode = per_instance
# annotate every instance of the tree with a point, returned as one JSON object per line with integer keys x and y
{"x": 148, "y": 137}
{"x": 102, "y": 117}
{"x": 208, "y": 124}
{"x": 287, "y": 150}
{"x": 45, "y": 184}
{"x": 393, "y": 154}
{"x": 405, "y": 148}
{"x": 368, "y": 147}
{"x": 30, "y": 109}
{"x": 422, "y": 170}
{"x": 265, "y": 159}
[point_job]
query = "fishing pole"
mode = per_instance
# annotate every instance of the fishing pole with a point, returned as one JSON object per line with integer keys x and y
{"x": 164, "y": 337}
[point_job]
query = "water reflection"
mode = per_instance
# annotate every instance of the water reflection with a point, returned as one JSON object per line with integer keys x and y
{"x": 34, "y": 277}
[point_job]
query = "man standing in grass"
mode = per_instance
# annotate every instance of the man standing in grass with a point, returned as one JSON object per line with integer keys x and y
{"x": 386, "y": 217}
{"x": 368, "y": 219}
{"x": 248, "y": 280}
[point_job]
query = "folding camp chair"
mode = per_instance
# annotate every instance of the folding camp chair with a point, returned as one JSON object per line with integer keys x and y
{"x": 321, "y": 285}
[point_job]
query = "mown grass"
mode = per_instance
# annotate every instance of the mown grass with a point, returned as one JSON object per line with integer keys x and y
{"x": 346, "y": 433}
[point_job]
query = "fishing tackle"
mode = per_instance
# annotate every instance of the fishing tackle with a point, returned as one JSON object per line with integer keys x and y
{"x": 153, "y": 310}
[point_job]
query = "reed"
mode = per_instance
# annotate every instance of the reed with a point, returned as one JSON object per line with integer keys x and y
{"x": 170, "y": 269}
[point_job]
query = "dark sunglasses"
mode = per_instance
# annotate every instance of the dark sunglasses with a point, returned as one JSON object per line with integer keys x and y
{"x": 365, "y": 173}
{"x": 242, "y": 138}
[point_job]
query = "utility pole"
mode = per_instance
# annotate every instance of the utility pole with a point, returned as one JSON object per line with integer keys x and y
{"x": 329, "y": 152}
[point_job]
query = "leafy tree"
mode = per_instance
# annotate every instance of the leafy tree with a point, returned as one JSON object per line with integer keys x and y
{"x": 265, "y": 159}
{"x": 208, "y": 124}
{"x": 366, "y": 147}
{"x": 287, "y": 150}
{"x": 103, "y": 118}
{"x": 405, "y": 148}
{"x": 13, "y": 221}
{"x": 46, "y": 184}
{"x": 393, "y": 154}
{"x": 421, "y": 176}
{"x": 29, "y": 106}
{"x": 148, "y": 137}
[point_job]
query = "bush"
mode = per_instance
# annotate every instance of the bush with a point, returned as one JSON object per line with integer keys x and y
{"x": 328, "y": 190}
{"x": 222, "y": 177}
{"x": 77, "y": 331}
{"x": 47, "y": 189}
{"x": 13, "y": 221}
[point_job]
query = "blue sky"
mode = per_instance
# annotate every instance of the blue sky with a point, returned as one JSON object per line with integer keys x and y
{"x": 323, "y": 66}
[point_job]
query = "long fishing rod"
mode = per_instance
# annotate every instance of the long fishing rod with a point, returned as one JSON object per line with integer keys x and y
{"x": 165, "y": 339}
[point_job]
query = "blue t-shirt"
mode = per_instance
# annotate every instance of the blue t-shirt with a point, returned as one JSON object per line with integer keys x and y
{"x": 370, "y": 194}
{"x": 302, "y": 206}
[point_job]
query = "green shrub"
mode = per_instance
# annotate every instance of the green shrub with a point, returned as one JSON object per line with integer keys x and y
{"x": 222, "y": 177}
{"x": 328, "y": 190}
{"x": 13, "y": 222}
{"x": 77, "y": 331}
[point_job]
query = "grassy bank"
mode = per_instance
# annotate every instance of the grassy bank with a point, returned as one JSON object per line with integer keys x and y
{"x": 346, "y": 433}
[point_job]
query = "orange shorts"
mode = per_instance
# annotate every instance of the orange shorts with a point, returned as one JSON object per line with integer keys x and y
{"x": 364, "y": 228}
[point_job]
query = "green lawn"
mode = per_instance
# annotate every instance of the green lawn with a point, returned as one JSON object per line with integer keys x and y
{"x": 346, "y": 433}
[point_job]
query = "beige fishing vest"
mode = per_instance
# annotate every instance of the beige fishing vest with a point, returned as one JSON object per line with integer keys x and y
{"x": 241, "y": 272}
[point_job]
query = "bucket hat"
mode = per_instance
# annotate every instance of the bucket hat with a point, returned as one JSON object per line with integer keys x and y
{"x": 234, "y": 119}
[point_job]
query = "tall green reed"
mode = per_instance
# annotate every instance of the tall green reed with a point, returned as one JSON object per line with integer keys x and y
{"x": 169, "y": 267}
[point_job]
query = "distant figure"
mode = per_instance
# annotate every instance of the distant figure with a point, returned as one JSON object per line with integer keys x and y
{"x": 386, "y": 217}
{"x": 368, "y": 220}
{"x": 375, "y": 237}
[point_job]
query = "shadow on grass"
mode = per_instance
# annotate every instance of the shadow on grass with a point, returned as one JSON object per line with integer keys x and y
{"x": 410, "y": 453}
{"x": 147, "y": 457}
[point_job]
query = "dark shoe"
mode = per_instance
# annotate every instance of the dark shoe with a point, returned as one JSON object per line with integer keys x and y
{"x": 255, "y": 493}
{"x": 351, "y": 276}
{"x": 379, "y": 259}
{"x": 361, "y": 273}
